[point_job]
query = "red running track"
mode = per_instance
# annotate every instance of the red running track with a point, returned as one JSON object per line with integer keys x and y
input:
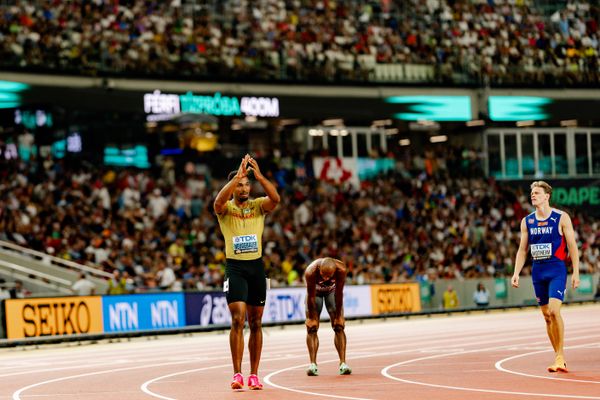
{"x": 496, "y": 355}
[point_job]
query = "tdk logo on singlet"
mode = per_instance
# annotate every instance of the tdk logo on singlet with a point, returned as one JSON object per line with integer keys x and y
{"x": 244, "y": 239}
{"x": 245, "y": 244}
{"x": 540, "y": 230}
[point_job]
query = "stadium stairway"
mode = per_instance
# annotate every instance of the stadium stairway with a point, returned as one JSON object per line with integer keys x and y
{"x": 43, "y": 274}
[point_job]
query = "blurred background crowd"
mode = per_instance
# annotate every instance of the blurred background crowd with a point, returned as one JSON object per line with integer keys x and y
{"x": 159, "y": 232}
{"x": 492, "y": 41}
{"x": 437, "y": 214}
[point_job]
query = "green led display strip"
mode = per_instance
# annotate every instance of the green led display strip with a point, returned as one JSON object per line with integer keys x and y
{"x": 433, "y": 108}
{"x": 9, "y": 93}
{"x": 131, "y": 157}
{"x": 517, "y": 108}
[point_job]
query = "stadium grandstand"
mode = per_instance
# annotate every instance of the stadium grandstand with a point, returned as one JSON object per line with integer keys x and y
{"x": 448, "y": 42}
{"x": 401, "y": 135}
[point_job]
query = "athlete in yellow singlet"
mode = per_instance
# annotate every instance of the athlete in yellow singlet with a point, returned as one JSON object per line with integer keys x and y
{"x": 242, "y": 222}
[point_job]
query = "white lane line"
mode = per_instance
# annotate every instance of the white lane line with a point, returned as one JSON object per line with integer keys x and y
{"x": 107, "y": 355}
{"x": 117, "y": 358}
{"x": 268, "y": 378}
{"x": 17, "y": 394}
{"x": 283, "y": 346}
{"x": 144, "y": 386}
{"x": 109, "y": 361}
{"x": 122, "y": 362}
{"x": 385, "y": 372}
{"x": 499, "y": 366}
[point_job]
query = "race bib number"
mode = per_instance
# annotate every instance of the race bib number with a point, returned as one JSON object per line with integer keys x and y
{"x": 541, "y": 251}
{"x": 245, "y": 244}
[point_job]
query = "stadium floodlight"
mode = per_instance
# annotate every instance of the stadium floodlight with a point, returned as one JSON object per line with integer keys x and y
{"x": 522, "y": 124}
{"x": 438, "y": 139}
{"x": 381, "y": 122}
{"x": 289, "y": 121}
{"x": 476, "y": 122}
{"x": 74, "y": 144}
{"x": 404, "y": 142}
{"x": 424, "y": 125}
{"x": 333, "y": 122}
{"x": 569, "y": 123}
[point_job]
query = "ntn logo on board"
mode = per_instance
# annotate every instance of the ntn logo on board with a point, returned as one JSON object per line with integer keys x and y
{"x": 164, "y": 313}
{"x": 123, "y": 316}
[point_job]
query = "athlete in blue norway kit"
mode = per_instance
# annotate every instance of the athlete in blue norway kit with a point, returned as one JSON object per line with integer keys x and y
{"x": 548, "y": 232}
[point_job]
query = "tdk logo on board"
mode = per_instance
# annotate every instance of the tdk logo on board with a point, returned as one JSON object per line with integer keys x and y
{"x": 286, "y": 307}
{"x": 350, "y": 302}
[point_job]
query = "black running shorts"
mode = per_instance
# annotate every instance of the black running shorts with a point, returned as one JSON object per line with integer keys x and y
{"x": 328, "y": 299}
{"x": 245, "y": 281}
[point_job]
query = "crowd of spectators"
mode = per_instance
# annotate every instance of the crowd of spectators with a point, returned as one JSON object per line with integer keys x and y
{"x": 158, "y": 232}
{"x": 13, "y": 290}
{"x": 483, "y": 41}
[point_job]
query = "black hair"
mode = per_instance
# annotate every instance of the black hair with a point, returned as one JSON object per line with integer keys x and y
{"x": 232, "y": 174}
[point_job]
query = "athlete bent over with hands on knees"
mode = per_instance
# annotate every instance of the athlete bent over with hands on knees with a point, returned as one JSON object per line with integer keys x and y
{"x": 325, "y": 278}
{"x": 242, "y": 222}
{"x": 547, "y": 231}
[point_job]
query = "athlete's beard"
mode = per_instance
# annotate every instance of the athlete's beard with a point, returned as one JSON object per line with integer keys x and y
{"x": 243, "y": 198}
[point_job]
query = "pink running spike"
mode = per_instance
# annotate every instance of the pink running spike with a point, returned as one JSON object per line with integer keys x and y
{"x": 253, "y": 383}
{"x": 237, "y": 382}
